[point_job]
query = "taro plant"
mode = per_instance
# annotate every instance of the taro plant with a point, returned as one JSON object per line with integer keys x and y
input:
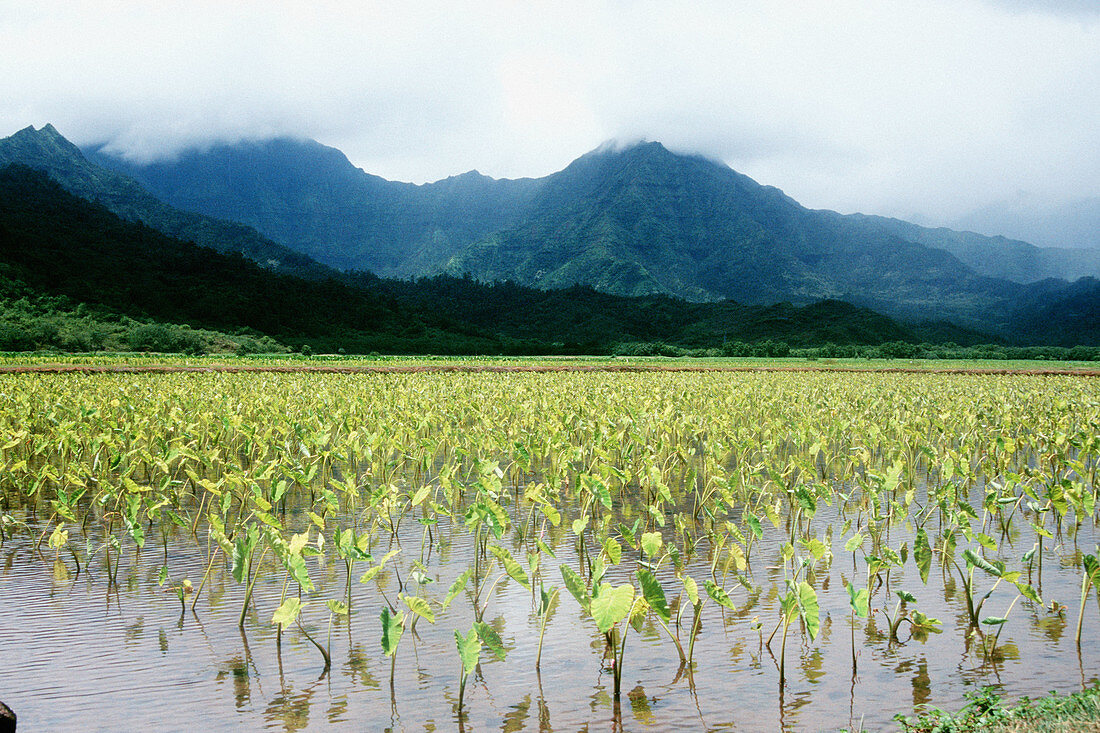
{"x": 1091, "y": 579}
{"x": 799, "y": 602}
{"x": 469, "y": 647}
{"x": 607, "y": 605}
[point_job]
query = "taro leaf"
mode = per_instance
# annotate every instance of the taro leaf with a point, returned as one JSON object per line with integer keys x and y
{"x": 546, "y": 600}
{"x": 393, "y": 626}
{"x": 859, "y": 600}
{"x": 162, "y": 575}
{"x": 719, "y": 595}
{"x": 59, "y": 538}
{"x": 972, "y": 558}
{"x": 457, "y": 587}
{"x": 579, "y": 525}
{"x": 296, "y": 564}
{"x": 545, "y": 548}
{"x": 610, "y": 605}
{"x": 754, "y": 525}
{"x": 1029, "y": 593}
{"x": 637, "y": 613}
{"x": 1092, "y": 569}
{"x": 808, "y": 608}
{"x": 534, "y": 561}
{"x": 371, "y": 574}
{"x": 853, "y": 542}
{"x": 922, "y": 554}
{"x": 421, "y": 495}
{"x": 816, "y": 547}
{"x": 420, "y": 607}
{"x": 287, "y": 612}
{"x": 613, "y": 549}
{"x": 599, "y": 490}
{"x": 805, "y": 500}
{"x": 994, "y": 620}
{"x": 338, "y": 607}
{"x": 491, "y": 639}
{"x": 498, "y": 518}
{"x": 986, "y": 541}
{"x": 923, "y": 624}
{"x": 651, "y": 543}
{"x": 692, "y": 589}
{"x": 1042, "y": 531}
{"x": 299, "y": 541}
{"x": 575, "y": 585}
{"x": 906, "y": 596}
{"x": 893, "y": 476}
{"x": 628, "y": 532}
{"x": 513, "y": 568}
{"x": 469, "y": 647}
{"x": 654, "y": 594}
{"x": 136, "y": 531}
{"x": 551, "y": 513}
{"x": 242, "y": 552}
{"x": 738, "y": 555}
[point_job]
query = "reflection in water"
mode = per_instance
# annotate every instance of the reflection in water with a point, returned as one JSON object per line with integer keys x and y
{"x": 516, "y": 718}
{"x": 357, "y": 667}
{"x": 236, "y": 670}
{"x": 639, "y": 706}
{"x": 290, "y": 708}
{"x": 813, "y": 665}
{"x": 1032, "y": 654}
{"x": 922, "y": 684}
{"x": 338, "y": 709}
{"x": 1052, "y": 626}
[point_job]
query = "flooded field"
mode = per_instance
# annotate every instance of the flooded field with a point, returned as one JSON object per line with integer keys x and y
{"x": 748, "y": 551}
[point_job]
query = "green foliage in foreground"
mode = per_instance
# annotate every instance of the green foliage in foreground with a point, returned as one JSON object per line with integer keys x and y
{"x": 1079, "y": 711}
{"x": 32, "y": 322}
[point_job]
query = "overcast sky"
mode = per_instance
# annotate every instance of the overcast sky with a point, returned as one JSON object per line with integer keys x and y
{"x": 898, "y": 107}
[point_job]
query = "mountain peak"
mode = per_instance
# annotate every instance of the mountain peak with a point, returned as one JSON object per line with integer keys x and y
{"x": 46, "y": 132}
{"x": 616, "y": 146}
{"x": 40, "y": 148}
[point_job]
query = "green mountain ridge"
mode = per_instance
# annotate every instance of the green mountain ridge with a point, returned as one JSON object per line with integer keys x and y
{"x": 638, "y": 220}
{"x": 56, "y": 245}
{"x": 635, "y": 221}
{"x": 998, "y": 257}
{"x": 310, "y": 196}
{"x": 48, "y": 150}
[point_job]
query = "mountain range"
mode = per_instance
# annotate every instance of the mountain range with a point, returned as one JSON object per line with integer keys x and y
{"x": 75, "y": 275}
{"x": 632, "y": 220}
{"x": 636, "y": 220}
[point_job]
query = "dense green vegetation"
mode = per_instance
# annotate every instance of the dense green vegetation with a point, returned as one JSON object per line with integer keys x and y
{"x": 701, "y": 518}
{"x": 30, "y": 321}
{"x": 46, "y": 149}
{"x": 173, "y": 283}
{"x": 53, "y": 245}
{"x": 986, "y": 713}
{"x": 634, "y": 221}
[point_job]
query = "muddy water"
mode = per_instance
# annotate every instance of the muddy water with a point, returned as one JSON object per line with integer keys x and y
{"x": 75, "y": 656}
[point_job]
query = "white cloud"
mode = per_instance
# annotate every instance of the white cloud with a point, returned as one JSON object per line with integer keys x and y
{"x": 931, "y": 106}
